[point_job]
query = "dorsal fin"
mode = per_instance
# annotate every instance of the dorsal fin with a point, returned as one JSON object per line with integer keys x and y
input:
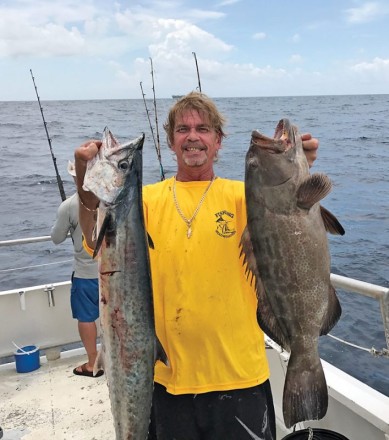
{"x": 248, "y": 256}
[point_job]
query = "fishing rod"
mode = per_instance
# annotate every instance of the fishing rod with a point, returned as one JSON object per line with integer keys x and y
{"x": 158, "y": 146}
{"x": 198, "y": 74}
{"x": 59, "y": 180}
{"x": 152, "y": 132}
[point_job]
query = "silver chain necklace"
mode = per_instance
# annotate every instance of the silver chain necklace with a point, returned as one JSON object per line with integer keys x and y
{"x": 196, "y": 211}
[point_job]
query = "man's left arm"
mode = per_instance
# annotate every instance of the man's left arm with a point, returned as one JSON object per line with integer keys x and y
{"x": 61, "y": 226}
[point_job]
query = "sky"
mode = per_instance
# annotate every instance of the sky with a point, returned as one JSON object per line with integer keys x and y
{"x": 102, "y": 49}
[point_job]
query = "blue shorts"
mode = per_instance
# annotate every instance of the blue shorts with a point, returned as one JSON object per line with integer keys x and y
{"x": 84, "y": 299}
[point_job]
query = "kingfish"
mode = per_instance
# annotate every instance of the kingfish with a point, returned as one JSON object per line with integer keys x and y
{"x": 286, "y": 250}
{"x": 128, "y": 339}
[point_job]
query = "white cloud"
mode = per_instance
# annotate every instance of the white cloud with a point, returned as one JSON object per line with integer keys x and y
{"x": 42, "y": 28}
{"x": 200, "y": 14}
{"x": 50, "y": 39}
{"x": 42, "y": 11}
{"x": 378, "y": 65}
{"x": 228, "y": 2}
{"x": 65, "y": 28}
{"x": 366, "y": 13}
{"x": 115, "y": 41}
{"x": 183, "y": 38}
{"x": 295, "y": 59}
{"x": 97, "y": 26}
{"x": 259, "y": 36}
{"x": 170, "y": 43}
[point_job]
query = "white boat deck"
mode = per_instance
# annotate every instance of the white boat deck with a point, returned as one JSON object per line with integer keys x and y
{"x": 52, "y": 403}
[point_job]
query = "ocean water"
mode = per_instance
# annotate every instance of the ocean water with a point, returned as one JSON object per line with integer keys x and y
{"x": 354, "y": 152}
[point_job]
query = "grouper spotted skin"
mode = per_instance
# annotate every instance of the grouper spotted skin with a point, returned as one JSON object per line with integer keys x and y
{"x": 128, "y": 338}
{"x": 287, "y": 251}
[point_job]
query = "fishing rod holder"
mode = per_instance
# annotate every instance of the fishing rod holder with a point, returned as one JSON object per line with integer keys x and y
{"x": 50, "y": 295}
{"x": 22, "y": 299}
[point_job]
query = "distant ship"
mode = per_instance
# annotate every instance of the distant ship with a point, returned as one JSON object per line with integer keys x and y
{"x": 177, "y": 96}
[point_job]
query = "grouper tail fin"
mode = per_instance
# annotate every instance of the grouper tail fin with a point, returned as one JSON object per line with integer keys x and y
{"x": 305, "y": 391}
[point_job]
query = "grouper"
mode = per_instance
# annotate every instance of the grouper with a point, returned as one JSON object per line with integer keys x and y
{"x": 286, "y": 250}
{"x": 128, "y": 340}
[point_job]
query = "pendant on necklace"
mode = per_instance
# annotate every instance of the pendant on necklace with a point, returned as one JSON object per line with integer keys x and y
{"x": 189, "y": 232}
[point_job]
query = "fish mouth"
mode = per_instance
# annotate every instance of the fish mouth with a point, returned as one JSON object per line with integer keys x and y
{"x": 284, "y": 139}
{"x": 285, "y": 132}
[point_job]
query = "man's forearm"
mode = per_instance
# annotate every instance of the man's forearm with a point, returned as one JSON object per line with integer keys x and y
{"x": 88, "y": 204}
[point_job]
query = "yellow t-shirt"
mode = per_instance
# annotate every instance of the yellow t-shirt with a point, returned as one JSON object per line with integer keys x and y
{"x": 205, "y": 309}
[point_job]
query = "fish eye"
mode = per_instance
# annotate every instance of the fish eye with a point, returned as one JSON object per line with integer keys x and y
{"x": 123, "y": 165}
{"x": 252, "y": 161}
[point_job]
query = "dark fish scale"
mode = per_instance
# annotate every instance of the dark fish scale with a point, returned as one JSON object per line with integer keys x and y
{"x": 287, "y": 235}
{"x": 126, "y": 309}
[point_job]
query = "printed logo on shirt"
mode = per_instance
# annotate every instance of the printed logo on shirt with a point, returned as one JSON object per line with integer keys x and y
{"x": 225, "y": 224}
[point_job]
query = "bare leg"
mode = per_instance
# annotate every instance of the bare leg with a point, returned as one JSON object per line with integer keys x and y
{"x": 88, "y": 334}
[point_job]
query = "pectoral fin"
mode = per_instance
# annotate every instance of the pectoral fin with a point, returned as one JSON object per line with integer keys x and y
{"x": 312, "y": 190}
{"x": 104, "y": 228}
{"x": 160, "y": 354}
{"x": 150, "y": 241}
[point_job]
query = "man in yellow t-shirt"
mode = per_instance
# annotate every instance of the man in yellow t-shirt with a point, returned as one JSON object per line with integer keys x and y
{"x": 216, "y": 385}
{"x": 208, "y": 326}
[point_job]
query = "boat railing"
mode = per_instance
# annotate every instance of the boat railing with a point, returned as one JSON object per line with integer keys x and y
{"x": 26, "y": 240}
{"x": 379, "y": 293}
{"x": 30, "y": 240}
